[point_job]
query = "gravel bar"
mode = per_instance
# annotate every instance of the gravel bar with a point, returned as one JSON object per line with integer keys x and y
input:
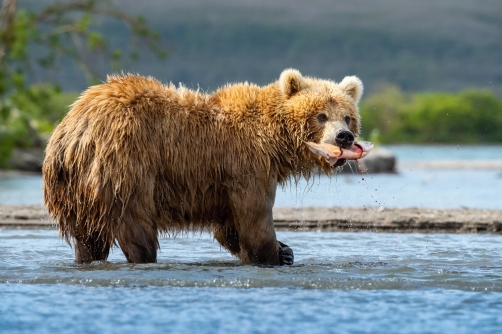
{"x": 403, "y": 220}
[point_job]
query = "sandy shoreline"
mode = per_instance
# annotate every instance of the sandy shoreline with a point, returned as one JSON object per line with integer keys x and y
{"x": 401, "y": 220}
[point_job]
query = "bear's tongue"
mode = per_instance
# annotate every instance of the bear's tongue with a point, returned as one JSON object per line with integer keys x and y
{"x": 332, "y": 153}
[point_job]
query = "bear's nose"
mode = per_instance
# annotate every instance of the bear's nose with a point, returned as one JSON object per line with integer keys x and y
{"x": 344, "y": 139}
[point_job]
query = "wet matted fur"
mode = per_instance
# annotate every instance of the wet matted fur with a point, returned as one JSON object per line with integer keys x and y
{"x": 134, "y": 157}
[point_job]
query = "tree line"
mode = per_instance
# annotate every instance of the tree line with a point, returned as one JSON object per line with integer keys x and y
{"x": 89, "y": 38}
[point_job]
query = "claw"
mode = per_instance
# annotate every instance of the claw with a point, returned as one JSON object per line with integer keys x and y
{"x": 286, "y": 256}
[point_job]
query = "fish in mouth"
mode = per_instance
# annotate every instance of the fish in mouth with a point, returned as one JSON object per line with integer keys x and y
{"x": 337, "y": 156}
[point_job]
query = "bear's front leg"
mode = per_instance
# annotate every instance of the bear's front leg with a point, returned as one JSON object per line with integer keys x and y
{"x": 252, "y": 214}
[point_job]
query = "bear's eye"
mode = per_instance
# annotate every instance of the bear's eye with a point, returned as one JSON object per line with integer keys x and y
{"x": 347, "y": 120}
{"x": 322, "y": 117}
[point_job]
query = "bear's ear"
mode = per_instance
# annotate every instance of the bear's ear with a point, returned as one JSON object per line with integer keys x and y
{"x": 353, "y": 87}
{"x": 291, "y": 82}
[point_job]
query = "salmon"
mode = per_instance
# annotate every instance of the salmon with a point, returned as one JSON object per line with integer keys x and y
{"x": 332, "y": 153}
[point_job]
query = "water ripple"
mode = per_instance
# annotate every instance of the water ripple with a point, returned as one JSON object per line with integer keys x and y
{"x": 354, "y": 282}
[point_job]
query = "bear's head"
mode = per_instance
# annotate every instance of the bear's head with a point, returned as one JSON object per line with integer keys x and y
{"x": 320, "y": 111}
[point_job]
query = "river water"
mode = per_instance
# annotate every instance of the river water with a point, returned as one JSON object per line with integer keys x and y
{"x": 410, "y": 187}
{"x": 340, "y": 282}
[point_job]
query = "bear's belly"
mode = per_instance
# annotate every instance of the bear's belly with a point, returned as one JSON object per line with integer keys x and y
{"x": 190, "y": 207}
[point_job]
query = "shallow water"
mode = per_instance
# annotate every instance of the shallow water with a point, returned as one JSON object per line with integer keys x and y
{"x": 21, "y": 190}
{"x": 343, "y": 282}
{"x": 431, "y": 188}
{"x": 417, "y": 153}
{"x": 410, "y": 188}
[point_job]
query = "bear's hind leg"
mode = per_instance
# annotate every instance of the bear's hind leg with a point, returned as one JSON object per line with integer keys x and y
{"x": 228, "y": 238}
{"x": 91, "y": 247}
{"x": 139, "y": 241}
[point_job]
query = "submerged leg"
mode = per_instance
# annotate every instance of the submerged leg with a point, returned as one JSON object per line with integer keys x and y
{"x": 90, "y": 247}
{"x": 138, "y": 240}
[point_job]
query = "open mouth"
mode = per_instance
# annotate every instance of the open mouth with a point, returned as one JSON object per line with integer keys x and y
{"x": 337, "y": 156}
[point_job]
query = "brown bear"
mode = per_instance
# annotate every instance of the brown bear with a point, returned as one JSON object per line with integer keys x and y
{"x": 134, "y": 157}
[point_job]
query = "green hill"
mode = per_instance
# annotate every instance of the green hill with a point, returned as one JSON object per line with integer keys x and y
{"x": 446, "y": 45}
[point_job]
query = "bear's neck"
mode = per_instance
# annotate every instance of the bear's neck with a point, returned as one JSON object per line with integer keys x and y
{"x": 255, "y": 111}
{"x": 257, "y": 108}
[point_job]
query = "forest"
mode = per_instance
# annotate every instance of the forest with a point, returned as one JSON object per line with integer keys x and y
{"x": 432, "y": 69}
